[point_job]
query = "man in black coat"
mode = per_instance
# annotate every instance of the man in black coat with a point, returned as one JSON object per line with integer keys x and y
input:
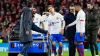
{"x": 92, "y": 27}
{"x": 26, "y": 24}
{"x": 70, "y": 32}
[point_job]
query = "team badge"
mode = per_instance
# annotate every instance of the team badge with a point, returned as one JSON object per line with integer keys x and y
{"x": 57, "y": 18}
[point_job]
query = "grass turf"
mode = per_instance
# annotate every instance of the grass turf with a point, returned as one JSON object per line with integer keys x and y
{"x": 87, "y": 53}
{"x": 65, "y": 53}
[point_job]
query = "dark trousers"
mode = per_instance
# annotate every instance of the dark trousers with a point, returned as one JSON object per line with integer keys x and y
{"x": 92, "y": 40}
{"x": 25, "y": 47}
{"x": 72, "y": 48}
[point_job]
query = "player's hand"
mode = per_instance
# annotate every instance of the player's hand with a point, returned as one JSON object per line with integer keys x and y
{"x": 62, "y": 31}
{"x": 99, "y": 31}
{"x": 81, "y": 34}
{"x": 27, "y": 32}
{"x": 66, "y": 27}
{"x": 48, "y": 34}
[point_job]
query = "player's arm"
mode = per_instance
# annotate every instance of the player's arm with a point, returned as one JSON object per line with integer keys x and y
{"x": 49, "y": 24}
{"x": 41, "y": 22}
{"x": 62, "y": 23}
{"x": 36, "y": 28}
{"x": 42, "y": 25}
{"x": 73, "y": 23}
{"x": 82, "y": 24}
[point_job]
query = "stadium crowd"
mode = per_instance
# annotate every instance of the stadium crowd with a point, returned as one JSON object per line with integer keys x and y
{"x": 10, "y": 11}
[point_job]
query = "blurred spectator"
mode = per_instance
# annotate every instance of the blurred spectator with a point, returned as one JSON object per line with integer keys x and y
{"x": 4, "y": 34}
{"x": 63, "y": 10}
{"x": 64, "y": 3}
{"x": 10, "y": 9}
{"x": 51, "y": 2}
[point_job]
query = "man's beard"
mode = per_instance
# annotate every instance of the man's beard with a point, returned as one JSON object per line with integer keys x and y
{"x": 34, "y": 12}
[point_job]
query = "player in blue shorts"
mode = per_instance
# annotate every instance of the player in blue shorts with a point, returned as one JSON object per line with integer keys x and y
{"x": 55, "y": 27}
{"x": 80, "y": 29}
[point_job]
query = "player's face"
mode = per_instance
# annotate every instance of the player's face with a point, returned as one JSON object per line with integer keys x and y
{"x": 51, "y": 9}
{"x": 89, "y": 6}
{"x": 72, "y": 9}
{"x": 34, "y": 10}
{"x": 76, "y": 8}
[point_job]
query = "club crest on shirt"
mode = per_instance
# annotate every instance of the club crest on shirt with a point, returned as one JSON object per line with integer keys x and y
{"x": 57, "y": 18}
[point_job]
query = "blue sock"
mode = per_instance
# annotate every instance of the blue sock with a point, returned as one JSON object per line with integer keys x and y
{"x": 77, "y": 47}
{"x": 81, "y": 46}
{"x": 80, "y": 49}
{"x": 54, "y": 49}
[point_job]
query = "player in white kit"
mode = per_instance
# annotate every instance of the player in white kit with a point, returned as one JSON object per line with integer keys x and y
{"x": 80, "y": 29}
{"x": 56, "y": 25}
{"x": 45, "y": 21}
{"x": 37, "y": 19}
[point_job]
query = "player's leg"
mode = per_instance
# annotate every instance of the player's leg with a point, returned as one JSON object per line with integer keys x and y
{"x": 59, "y": 39}
{"x": 79, "y": 43}
{"x": 60, "y": 49}
{"x": 53, "y": 45}
{"x": 80, "y": 48}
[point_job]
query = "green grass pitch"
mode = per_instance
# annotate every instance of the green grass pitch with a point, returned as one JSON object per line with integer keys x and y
{"x": 65, "y": 53}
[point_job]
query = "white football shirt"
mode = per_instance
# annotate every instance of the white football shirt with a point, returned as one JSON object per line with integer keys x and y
{"x": 37, "y": 19}
{"x": 80, "y": 22}
{"x": 54, "y": 23}
{"x": 45, "y": 21}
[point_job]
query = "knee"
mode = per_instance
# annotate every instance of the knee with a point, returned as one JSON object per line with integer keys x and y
{"x": 53, "y": 43}
{"x": 60, "y": 44}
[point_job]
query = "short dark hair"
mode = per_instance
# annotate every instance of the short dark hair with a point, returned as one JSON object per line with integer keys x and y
{"x": 50, "y": 6}
{"x": 29, "y": 4}
{"x": 90, "y": 3}
{"x": 72, "y": 5}
{"x": 34, "y": 6}
{"x": 77, "y": 4}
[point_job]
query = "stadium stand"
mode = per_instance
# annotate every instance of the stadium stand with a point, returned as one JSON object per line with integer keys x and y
{"x": 10, "y": 11}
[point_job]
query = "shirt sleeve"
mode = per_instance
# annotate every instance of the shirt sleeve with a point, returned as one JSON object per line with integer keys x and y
{"x": 62, "y": 20}
{"x": 41, "y": 18}
{"x": 61, "y": 17}
{"x": 82, "y": 22}
{"x": 73, "y": 23}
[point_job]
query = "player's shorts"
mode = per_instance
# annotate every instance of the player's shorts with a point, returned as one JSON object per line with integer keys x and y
{"x": 56, "y": 37}
{"x": 79, "y": 38}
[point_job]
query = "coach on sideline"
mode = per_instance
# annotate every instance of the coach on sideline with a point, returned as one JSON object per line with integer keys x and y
{"x": 26, "y": 24}
{"x": 70, "y": 32}
{"x": 92, "y": 26}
